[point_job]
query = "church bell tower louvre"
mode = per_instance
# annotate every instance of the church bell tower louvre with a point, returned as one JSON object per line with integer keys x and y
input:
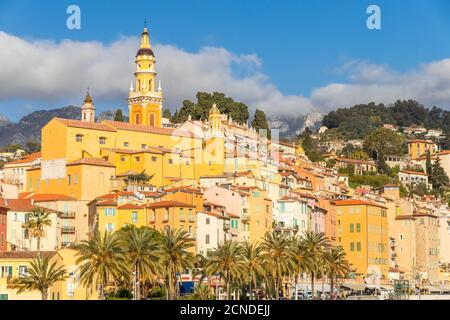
{"x": 145, "y": 100}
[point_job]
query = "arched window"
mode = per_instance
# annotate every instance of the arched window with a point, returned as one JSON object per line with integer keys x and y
{"x": 139, "y": 85}
{"x": 152, "y": 120}
{"x": 150, "y": 85}
{"x": 137, "y": 118}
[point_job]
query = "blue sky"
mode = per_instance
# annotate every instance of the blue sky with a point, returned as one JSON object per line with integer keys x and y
{"x": 301, "y": 45}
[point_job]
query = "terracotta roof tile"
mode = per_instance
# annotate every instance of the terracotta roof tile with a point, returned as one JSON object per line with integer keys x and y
{"x": 92, "y": 161}
{"x": 143, "y": 128}
{"x": 25, "y": 254}
{"x": 85, "y": 125}
{"x": 351, "y": 202}
{"x": 169, "y": 203}
{"x": 131, "y": 206}
{"x": 50, "y": 197}
{"x": 418, "y": 173}
{"x": 27, "y": 159}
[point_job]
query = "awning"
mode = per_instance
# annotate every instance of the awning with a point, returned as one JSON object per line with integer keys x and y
{"x": 355, "y": 286}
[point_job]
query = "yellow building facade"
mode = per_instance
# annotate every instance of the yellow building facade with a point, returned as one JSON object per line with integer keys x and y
{"x": 362, "y": 231}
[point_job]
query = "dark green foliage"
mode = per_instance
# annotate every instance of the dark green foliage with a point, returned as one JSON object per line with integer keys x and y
{"x": 375, "y": 181}
{"x": 428, "y": 164}
{"x": 383, "y": 168}
{"x": 310, "y": 146}
{"x": 358, "y": 121}
{"x": 167, "y": 114}
{"x": 383, "y": 141}
{"x": 438, "y": 177}
{"x": 260, "y": 122}
{"x": 119, "y": 115}
{"x": 33, "y": 146}
{"x": 199, "y": 111}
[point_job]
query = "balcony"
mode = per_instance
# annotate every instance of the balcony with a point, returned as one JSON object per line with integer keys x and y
{"x": 191, "y": 218}
{"x": 152, "y": 220}
{"x": 245, "y": 216}
{"x": 68, "y": 230}
{"x": 67, "y": 215}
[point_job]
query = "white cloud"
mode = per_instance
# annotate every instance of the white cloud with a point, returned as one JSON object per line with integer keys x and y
{"x": 51, "y": 71}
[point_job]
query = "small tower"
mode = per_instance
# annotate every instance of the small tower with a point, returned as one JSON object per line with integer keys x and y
{"x": 145, "y": 101}
{"x": 88, "y": 109}
{"x": 215, "y": 122}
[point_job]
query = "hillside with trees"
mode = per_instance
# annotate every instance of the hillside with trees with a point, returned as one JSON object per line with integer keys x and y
{"x": 356, "y": 122}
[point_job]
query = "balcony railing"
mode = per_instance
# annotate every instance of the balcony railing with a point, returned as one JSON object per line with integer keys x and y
{"x": 245, "y": 216}
{"x": 67, "y": 215}
{"x": 191, "y": 218}
{"x": 68, "y": 230}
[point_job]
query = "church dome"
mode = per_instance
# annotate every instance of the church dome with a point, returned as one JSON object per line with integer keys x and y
{"x": 145, "y": 52}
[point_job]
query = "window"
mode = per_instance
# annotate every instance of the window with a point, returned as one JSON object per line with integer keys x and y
{"x": 134, "y": 217}
{"x": 126, "y": 144}
{"x": 207, "y": 221}
{"x": 352, "y": 246}
{"x": 137, "y": 159}
{"x": 143, "y": 146}
{"x": 358, "y": 246}
{"x": 75, "y": 178}
{"x": 358, "y": 227}
{"x": 110, "y": 212}
{"x": 69, "y": 179}
{"x": 181, "y": 214}
{"x": 170, "y": 161}
{"x": 352, "y": 227}
{"x": 154, "y": 159}
{"x": 110, "y": 227}
{"x": 122, "y": 158}
{"x": 207, "y": 239}
{"x": 102, "y": 140}
{"x": 79, "y": 138}
{"x": 187, "y": 162}
{"x": 23, "y": 271}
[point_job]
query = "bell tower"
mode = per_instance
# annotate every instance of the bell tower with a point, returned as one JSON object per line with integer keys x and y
{"x": 88, "y": 109}
{"x": 144, "y": 101}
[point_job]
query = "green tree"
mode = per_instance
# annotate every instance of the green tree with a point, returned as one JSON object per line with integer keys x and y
{"x": 310, "y": 146}
{"x": 253, "y": 264}
{"x": 428, "y": 164}
{"x": 38, "y": 220}
{"x": 382, "y": 141}
{"x": 41, "y": 275}
{"x": 226, "y": 260}
{"x": 101, "y": 259}
{"x": 260, "y": 122}
{"x": 300, "y": 259}
{"x": 167, "y": 114}
{"x": 202, "y": 292}
{"x": 174, "y": 254}
{"x": 359, "y": 155}
{"x": 140, "y": 246}
{"x": 238, "y": 111}
{"x": 119, "y": 116}
{"x": 383, "y": 167}
{"x": 316, "y": 245}
{"x": 33, "y": 146}
{"x": 439, "y": 178}
{"x": 337, "y": 266}
{"x": 276, "y": 249}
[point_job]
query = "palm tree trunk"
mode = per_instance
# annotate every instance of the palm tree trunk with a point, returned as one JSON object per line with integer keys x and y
{"x": 228, "y": 286}
{"x": 312, "y": 286}
{"x": 277, "y": 286}
{"x": 296, "y": 285}
{"x": 44, "y": 294}
{"x": 38, "y": 244}
{"x": 101, "y": 292}
{"x": 250, "y": 286}
{"x": 331, "y": 286}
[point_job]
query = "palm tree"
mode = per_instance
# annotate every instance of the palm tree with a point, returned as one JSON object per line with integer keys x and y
{"x": 140, "y": 246}
{"x": 38, "y": 220}
{"x": 300, "y": 258}
{"x": 202, "y": 292}
{"x": 40, "y": 276}
{"x": 315, "y": 245}
{"x": 101, "y": 259}
{"x": 251, "y": 254}
{"x": 276, "y": 251}
{"x": 337, "y": 265}
{"x": 226, "y": 260}
{"x": 175, "y": 256}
